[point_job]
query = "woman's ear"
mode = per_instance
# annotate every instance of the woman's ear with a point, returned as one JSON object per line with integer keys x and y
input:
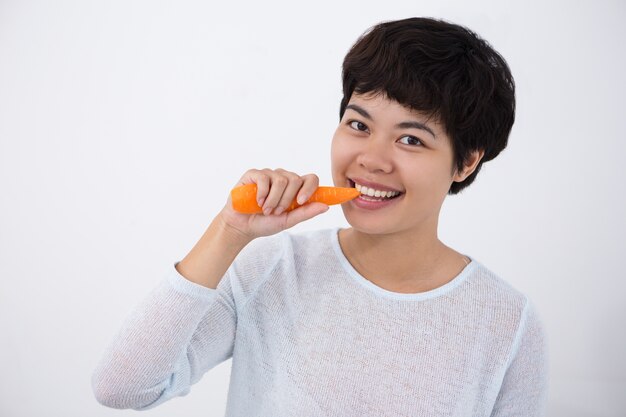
{"x": 470, "y": 166}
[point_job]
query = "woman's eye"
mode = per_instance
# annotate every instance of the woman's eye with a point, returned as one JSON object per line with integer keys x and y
{"x": 356, "y": 125}
{"x": 410, "y": 140}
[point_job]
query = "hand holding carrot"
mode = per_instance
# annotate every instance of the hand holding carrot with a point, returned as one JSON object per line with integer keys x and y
{"x": 244, "y": 197}
{"x": 276, "y": 190}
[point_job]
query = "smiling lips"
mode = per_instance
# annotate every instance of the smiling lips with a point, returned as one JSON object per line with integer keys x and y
{"x": 375, "y": 193}
{"x": 373, "y": 190}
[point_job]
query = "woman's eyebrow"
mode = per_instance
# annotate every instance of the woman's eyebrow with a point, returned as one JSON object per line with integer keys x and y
{"x": 416, "y": 125}
{"x": 413, "y": 124}
{"x": 359, "y": 110}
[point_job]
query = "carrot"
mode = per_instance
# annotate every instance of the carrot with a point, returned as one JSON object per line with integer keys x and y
{"x": 244, "y": 197}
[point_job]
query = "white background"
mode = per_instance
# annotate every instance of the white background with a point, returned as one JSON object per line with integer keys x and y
{"x": 124, "y": 124}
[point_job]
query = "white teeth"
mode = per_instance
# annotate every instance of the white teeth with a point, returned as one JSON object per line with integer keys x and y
{"x": 375, "y": 193}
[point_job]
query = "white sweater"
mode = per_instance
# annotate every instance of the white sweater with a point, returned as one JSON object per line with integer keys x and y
{"x": 309, "y": 336}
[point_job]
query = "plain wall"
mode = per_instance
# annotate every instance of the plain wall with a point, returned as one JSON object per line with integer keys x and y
{"x": 124, "y": 124}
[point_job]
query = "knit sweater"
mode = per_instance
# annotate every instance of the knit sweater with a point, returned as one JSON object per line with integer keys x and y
{"x": 309, "y": 336}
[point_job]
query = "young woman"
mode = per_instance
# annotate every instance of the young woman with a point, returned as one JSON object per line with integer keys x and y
{"x": 379, "y": 319}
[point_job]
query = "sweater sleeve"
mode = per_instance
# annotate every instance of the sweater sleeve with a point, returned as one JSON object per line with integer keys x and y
{"x": 524, "y": 388}
{"x": 173, "y": 336}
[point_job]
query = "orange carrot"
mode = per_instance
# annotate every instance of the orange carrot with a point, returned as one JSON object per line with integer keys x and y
{"x": 244, "y": 197}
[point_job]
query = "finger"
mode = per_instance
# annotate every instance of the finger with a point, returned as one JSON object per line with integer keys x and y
{"x": 311, "y": 182}
{"x": 250, "y": 176}
{"x": 303, "y": 213}
{"x": 263, "y": 183}
{"x": 278, "y": 184}
{"x": 295, "y": 182}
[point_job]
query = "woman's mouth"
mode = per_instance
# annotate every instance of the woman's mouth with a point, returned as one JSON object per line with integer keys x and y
{"x": 372, "y": 198}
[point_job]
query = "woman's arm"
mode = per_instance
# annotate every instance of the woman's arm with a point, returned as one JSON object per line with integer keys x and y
{"x": 187, "y": 324}
{"x": 176, "y": 334}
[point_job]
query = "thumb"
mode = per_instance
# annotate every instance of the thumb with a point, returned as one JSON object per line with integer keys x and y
{"x": 305, "y": 212}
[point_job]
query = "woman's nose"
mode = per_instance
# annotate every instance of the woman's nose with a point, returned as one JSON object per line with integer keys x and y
{"x": 374, "y": 156}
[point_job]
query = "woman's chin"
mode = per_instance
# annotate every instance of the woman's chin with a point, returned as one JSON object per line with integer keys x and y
{"x": 369, "y": 227}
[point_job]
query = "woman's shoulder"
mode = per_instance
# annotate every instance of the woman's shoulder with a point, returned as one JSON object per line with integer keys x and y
{"x": 312, "y": 238}
{"x": 494, "y": 290}
{"x": 287, "y": 238}
{"x": 284, "y": 246}
{"x": 271, "y": 257}
{"x": 497, "y": 300}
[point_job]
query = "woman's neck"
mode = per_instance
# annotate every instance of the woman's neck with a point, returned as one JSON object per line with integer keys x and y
{"x": 401, "y": 262}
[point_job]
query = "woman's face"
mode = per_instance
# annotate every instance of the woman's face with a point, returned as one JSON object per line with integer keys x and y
{"x": 385, "y": 146}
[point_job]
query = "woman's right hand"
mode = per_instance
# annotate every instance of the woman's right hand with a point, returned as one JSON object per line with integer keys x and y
{"x": 276, "y": 189}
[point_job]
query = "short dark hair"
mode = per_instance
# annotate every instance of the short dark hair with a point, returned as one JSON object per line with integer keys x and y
{"x": 443, "y": 70}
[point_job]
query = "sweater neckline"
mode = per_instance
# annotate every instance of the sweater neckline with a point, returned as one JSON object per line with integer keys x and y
{"x": 369, "y": 285}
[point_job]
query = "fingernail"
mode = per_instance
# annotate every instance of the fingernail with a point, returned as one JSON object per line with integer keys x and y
{"x": 278, "y": 210}
{"x": 267, "y": 210}
{"x": 260, "y": 202}
{"x": 301, "y": 199}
